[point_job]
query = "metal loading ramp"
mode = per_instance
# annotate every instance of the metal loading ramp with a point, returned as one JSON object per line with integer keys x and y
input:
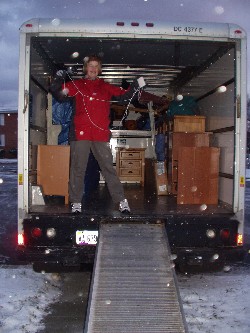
{"x": 134, "y": 288}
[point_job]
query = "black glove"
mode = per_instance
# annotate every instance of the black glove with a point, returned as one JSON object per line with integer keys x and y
{"x": 134, "y": 85}
{"x": 56, "y": 85}
{"x": 61, "y": 74}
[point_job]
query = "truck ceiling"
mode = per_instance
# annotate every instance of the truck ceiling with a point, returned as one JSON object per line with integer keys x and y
{"x": 166, "y": 64}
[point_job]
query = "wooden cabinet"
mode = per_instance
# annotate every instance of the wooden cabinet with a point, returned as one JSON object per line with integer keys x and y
{"x": 198, "y": 171}
{"x": 53, "y": 170}
{"x": 180, "y": 140}
{"x": 130, "y": 164}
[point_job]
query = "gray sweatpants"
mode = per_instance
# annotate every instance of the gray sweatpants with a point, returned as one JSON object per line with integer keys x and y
{"x": 79, "y": 155}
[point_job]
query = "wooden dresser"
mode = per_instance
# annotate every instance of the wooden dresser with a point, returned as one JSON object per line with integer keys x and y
{"x": 130, "y": 164}
{"x": 198, "y": 174}
{"x": 180, "y": 140}
{"x": 53, "y": 170}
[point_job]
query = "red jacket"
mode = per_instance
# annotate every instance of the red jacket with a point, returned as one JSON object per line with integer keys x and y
{"x": 92, "y": 107}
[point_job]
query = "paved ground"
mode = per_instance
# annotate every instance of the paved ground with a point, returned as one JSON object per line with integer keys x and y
{"x": 8, "y": 204}
{"x": 68, "y": 314}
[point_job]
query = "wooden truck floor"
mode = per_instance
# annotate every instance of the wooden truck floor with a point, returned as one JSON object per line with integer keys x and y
{"x": 142, "y": 201}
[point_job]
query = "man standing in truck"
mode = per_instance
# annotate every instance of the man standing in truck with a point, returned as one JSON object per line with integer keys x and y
{"x": 90, "y": 122}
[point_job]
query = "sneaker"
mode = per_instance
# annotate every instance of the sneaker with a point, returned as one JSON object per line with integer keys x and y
{"x": 124, "y": 207}
{"x": 76, "y": 207}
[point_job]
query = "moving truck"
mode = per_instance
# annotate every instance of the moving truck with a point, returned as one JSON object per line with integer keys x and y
{"x": 195, "y": 187}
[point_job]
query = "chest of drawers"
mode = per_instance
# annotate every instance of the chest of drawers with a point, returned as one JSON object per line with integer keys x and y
{"x": 130, "y": 164}
{"x": 180, "y": 140}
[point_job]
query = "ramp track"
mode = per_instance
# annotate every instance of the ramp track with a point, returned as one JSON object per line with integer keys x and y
{"x": 134, "y": 288}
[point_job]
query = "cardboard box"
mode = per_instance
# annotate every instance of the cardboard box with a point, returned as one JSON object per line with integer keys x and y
{"x": 193, "y": 124}
{"x": 161, "y": 178}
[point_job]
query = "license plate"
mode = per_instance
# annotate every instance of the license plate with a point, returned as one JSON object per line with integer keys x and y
{"x": 86, "y": 237}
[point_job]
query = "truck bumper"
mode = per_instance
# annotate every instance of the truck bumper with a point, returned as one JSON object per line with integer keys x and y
{"x": 206, "y": 259}
{"x": 57, "y": 255}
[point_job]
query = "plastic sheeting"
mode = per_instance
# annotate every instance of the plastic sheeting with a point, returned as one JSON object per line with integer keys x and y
{"x": 61, "y": 115}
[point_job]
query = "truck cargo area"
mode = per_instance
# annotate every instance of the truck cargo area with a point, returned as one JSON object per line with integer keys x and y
{"x": 194, "y": 184}
{"x": 170, "y": 67}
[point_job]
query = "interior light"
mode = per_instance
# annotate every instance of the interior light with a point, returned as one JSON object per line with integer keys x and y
{"x": 134, "y": 24}
{"x": 149, "y": 25}
{"x": 120, "y": 24}
{"x": 29, "y": 25}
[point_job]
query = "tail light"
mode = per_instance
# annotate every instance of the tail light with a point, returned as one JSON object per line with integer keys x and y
{"x": 51, "y": 233}
{"x": 20, "y": 239}
{"x": 210, "y": 233}
{"x": 36, "y": 232}
{"x": 239, "y": 239}
{"x": 225, "y": 234}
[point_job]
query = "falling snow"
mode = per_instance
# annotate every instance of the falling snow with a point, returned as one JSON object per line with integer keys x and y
{"x": 219, "y": 10}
